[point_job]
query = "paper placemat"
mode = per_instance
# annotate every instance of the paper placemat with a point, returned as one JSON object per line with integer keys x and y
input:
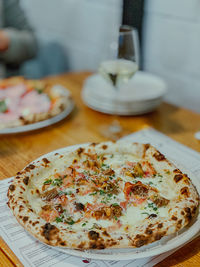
{"x": 33, "y": 253}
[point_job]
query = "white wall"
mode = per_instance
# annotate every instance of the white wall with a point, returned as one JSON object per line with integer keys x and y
{"x": 84, "y": 28}
{"x": 172, "y": 48}
{"x": 171, "y": 35}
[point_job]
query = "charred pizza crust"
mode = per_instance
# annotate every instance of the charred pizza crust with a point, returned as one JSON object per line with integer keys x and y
{"x": 179, "y": 206}
{"x": 58, "y": 96}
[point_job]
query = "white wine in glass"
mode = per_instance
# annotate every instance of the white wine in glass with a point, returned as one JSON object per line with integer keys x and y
{"x": 118, "y": 68}
{"x": 118, "y": 71}
{"x": 122, "y": 60}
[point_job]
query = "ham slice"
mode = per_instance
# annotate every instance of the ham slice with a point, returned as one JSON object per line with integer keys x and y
{"x": 35, "y": 103}
{"x": 21, "y": 102}
{"x": 13, "y": 91}
{"x": 8, "y": 116}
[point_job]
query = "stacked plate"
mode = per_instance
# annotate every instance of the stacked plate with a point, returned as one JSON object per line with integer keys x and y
{"x": 142, "y": 94}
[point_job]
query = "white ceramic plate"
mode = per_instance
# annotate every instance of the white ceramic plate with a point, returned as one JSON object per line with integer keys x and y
{"x": 41, "y": 124}
{"x": 135, "y": 108}
{"x": 165, "y": 244}
{"x": 142, "y": 94}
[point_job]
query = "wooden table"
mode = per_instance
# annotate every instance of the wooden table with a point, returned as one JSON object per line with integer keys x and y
{"x": 84, "y": 125}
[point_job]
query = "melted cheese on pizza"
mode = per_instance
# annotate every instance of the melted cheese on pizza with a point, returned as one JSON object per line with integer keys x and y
{"x": 112, "y": 191}
{"x": 107, "y": 195}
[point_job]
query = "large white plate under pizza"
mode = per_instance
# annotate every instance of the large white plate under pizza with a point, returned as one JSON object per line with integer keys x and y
{"x": 114, "y": 201}
{"x": 27, "y": 105}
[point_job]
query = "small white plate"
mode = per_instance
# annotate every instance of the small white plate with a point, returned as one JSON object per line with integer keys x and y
{"x": 142, "y": 94}
{"x": 41, "y": 124}
{"x": 136, "y": 108}
{"x": 165, "y": 244}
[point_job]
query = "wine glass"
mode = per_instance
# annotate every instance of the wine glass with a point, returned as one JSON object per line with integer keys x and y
{"x": 117, "y": 69}
{"x": 123, "y": 58}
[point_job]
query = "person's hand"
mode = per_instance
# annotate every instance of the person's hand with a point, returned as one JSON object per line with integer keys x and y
{"x": 4, "y": 41}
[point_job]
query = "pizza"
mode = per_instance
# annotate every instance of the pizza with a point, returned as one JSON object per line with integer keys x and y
{"x": 28, "y": 101}
{"x": 106, "y": 195}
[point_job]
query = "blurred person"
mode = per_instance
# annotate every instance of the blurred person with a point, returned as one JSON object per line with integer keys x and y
{"x": 17, "y": 40}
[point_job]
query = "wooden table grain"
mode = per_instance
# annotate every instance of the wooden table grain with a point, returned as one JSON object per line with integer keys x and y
{"x": 84, "y": 125}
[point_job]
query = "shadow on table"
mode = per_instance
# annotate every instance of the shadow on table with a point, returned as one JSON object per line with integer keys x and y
{"x": 182, "y": 255}
{"x": 162, "y": 119}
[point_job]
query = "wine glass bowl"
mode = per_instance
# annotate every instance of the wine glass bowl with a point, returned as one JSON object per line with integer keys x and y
{"x": 118, "y": 71}
{"x": 128, "y": 44}
{"x": 123, "y": 59}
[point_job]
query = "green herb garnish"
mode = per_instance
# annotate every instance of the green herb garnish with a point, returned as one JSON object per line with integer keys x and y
{"x": 92, "y": 194}
{"x": 48, "y": 181}
{"x": 84, "y": 224}
{"x": 70, "y": 221}
{"x": 40, "y": 91}
{"x": 102, "y": 192}
{"x": 60, "y": 219}
{"x": 3, "y": 106}
{"x": 150, "y": 205}
{"x": 115, "y": 204}
{"x": 57, "y": 182}
{"x": 104, "y": 165}
{"x": 68, "y": 193}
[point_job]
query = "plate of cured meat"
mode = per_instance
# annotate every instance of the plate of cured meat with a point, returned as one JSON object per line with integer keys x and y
{"x": 27, "y": 105}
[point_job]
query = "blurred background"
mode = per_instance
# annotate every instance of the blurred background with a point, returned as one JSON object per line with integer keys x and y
{"x": 73, "y": 34}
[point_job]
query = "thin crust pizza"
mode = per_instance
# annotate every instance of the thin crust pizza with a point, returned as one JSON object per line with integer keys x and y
{"x": 106, "y": 195}
{"x": 28, "y": 101}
